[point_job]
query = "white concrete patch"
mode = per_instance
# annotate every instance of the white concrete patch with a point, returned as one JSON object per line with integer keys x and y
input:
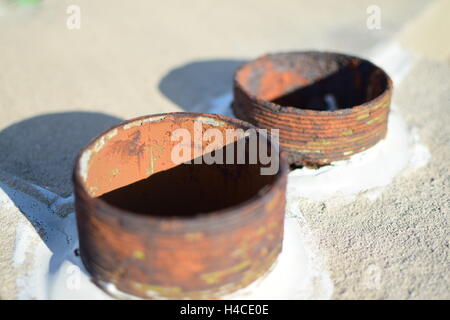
{"x": 46, "y": 261}
{"x": 394, "y": 59}
{"x": 24, "y": 235}
{"x": 364, "y": 172}
{"x": 221, "y": 104}
{"x": 30, "y": 252}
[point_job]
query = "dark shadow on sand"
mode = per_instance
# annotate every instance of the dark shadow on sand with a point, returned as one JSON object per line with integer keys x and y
{"x": 42, "y": 149}
{"x": 192, "y": 85}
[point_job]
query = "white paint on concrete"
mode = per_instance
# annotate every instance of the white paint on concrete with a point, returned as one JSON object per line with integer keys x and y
{"x": 23, "y": 241}
{"x": 394, "y": 59}
{"x": 366, "y": 172}
{"x": 221, "y": 104}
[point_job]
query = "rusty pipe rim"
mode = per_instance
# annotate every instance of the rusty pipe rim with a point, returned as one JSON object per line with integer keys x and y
{"x": 97, "y": 251}
{"x": 326, "y": 134}
{"x": 206, "y": 218}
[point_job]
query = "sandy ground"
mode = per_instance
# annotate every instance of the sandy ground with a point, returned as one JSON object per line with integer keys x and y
{"x": 59, "y": 87}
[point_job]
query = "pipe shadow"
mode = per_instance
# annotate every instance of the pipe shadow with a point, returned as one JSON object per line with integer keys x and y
{"x": 201, "y": 86}
{"x": 42, "y": 149}
{"x": 36, "y": 161}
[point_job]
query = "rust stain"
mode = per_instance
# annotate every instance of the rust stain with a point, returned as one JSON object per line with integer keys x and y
{"x": 175, "y": 231}
{"x": 328, "y": 106}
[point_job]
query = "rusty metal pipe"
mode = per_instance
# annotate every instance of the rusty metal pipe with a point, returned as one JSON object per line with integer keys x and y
{"x": 152, "y": 228}
{"x": 292, "y": 92}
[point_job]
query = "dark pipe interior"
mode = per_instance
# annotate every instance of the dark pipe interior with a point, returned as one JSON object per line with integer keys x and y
{"x": 190, "y": 189}
{"x": 348, "y": 87}
{"x": 332, "y": 81}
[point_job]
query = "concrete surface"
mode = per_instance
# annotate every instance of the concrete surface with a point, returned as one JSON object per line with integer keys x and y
{"x": 59, "y": 87}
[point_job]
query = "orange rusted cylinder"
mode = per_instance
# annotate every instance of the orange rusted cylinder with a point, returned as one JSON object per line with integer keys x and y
{"x": 150, "y": 227}
{"x": 327, "y": 106}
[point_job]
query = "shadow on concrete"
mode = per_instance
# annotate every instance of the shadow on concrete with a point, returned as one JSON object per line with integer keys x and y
{"x": 42, "y": 149}
{"x": 193, "y": 85}
{"x": 36, "y": 161}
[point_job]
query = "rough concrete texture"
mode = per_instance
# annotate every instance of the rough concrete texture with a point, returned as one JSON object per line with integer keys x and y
{"x": 59, "y": 87}
{"x": 403, "y": 236}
